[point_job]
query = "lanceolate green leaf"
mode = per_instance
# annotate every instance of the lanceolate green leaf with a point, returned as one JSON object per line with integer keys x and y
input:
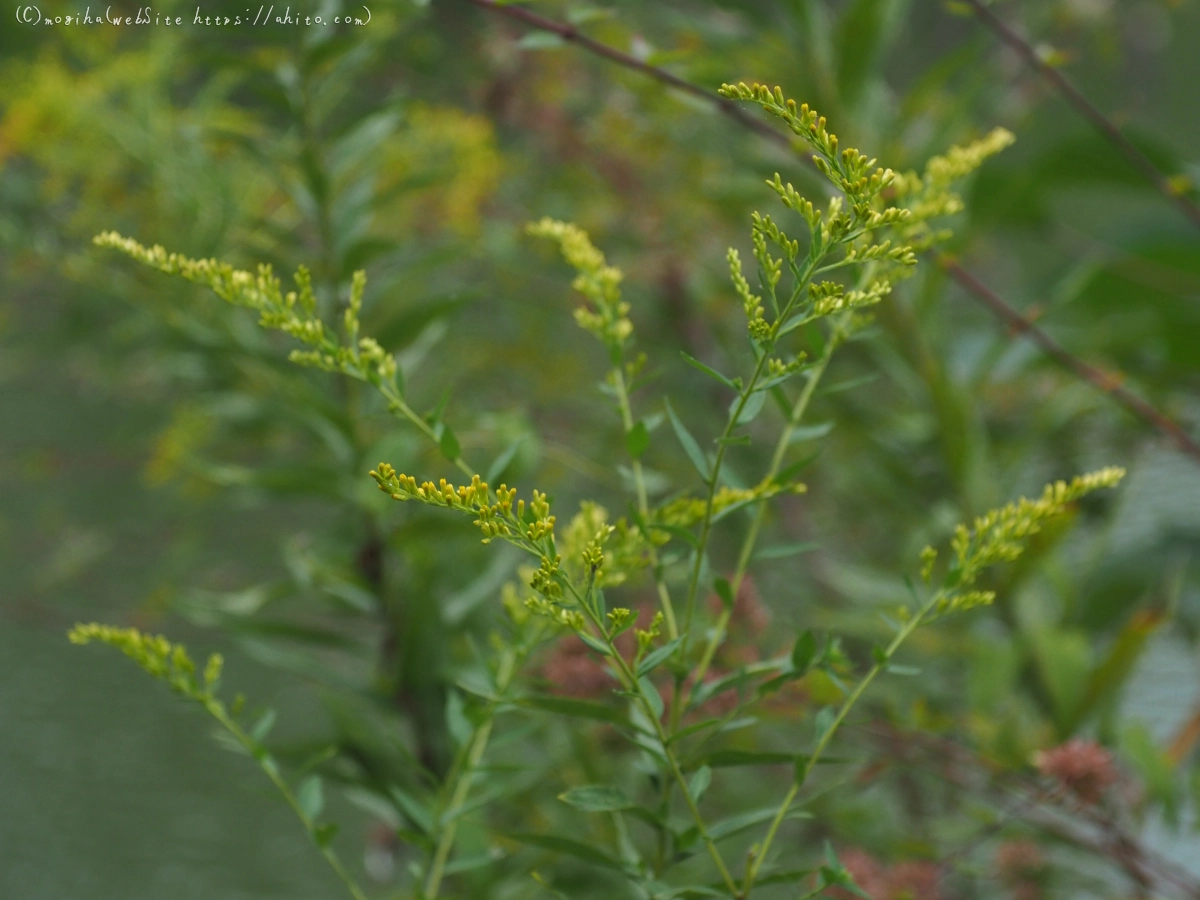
{"x": 710, "y": 372}
{"x": 722, "y": 758}
{"x": 597, "y": 798}
{"x": 580, "y": 709}
{"x": 568, "y": 847}
{"x": 637, "y": 439}
{"x": 783, "y": 551}
{"x": 657, "y": 656}
{"x": 690, "y": 447}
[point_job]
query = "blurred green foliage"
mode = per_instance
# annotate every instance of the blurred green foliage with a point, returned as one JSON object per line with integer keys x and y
{"x": 162, "y": 463}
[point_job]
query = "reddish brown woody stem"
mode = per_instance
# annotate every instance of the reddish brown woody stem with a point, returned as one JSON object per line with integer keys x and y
{"x": 1105, "y": 126}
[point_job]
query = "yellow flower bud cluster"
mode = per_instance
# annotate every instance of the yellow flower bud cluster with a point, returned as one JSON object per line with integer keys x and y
{"x": 593, "y": 553}
{"x": 762, "y": 228}
{"x": 1003, "y": 534}
{"x": 836, "y": 301}
{"x": 687, "y": 511}
{"x": 645, "y": 637}
{"x": 619, "y": 619}
{"x": 760, "y": 330}
{"x": 293, "y": 313}
{"x": 869, "y": 194}
{"x": 599, "y": 282}
{"x": 570, "y": 618}
{"x": 545, "y": 579}
{"x": 540, "y": 594}
{"x": 778, "y": 369}
{"x": 494, "y": 519}
{"x": 929, "y": 196}
{"x": 156, "y": 655}
{"x": 904, "y": 254}
{"x": 624, "y": 548}
{"x": 961, "y": 602}
{"x": 928, "y": 560}
{"x": 849, "y": 170}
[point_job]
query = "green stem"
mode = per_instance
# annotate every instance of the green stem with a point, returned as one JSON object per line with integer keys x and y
{"x": 713, "y": 480}
{"x": 639, "y": 481}
{"x": 217, "y": 710}
{"x": 479, "y": 742}
{"x": 630, "y": 681}
{"x": 398, "y": 404}
{"x": 823, "y": 741}
{"x": 802, "y": 280}
{"x": 743, "y": 563}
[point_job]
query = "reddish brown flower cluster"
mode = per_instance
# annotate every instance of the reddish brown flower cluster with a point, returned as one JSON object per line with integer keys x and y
{"x": 575, "y": 671}
{"x": 1083, "y": 767}
{"x": 914, "y": 880}
{"x": 1020, "y": 865}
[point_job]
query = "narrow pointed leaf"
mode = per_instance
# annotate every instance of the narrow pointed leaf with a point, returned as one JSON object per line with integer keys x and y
{"x": 597, "y": 798}
{"x": 595, "y": 643}
{"x": 448, "y": 443}
{"x": 753, "y": 406}
{"x": 785, "y": 550}
{"x": 804, "y": 652}
{"x": 657, "y": 656}
{"x": 725, "y": 591}
{"x": 710, "y": 372}
{"x": 637, "y": 439}
{"x": 568, "y": 847}
{"x": 500, "y": 463}
{"x": 690, "y": 447}
{"x": 311, "y": 796}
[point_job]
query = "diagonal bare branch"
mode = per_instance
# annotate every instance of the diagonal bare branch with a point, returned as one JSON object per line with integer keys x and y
{"x": 1105, "y": 126}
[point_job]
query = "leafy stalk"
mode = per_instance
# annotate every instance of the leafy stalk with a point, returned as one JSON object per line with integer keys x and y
{"x": 631, "y": 682}
{"x": 643, "y": 504}
{"x": 170, "y": 663}
{"x": 463, "y": 778}
{"x": 217, "y": 709}
{"x": 760, "y": 514}
{"x": 997, "y": 537}
{"x": 823, "y": 740}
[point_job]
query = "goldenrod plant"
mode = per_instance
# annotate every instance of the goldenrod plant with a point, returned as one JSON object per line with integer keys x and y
{"x": 818, "y": 269}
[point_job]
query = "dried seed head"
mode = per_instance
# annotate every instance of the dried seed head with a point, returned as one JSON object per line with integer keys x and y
{"x": 1018, "y": 861}
{"x": 1083, "y": 767}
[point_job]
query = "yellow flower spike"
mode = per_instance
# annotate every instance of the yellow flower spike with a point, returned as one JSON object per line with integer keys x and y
{"x": 597, "y": 281}
{"x": 928, "y": 559}
{"x": 1001, "y": 534}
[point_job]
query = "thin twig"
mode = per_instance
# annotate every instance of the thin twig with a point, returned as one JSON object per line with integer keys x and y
{"x": 1054, "y": 812}
{"x": 1106, "y": 383}
{"x": 575, "y": 36}
{"x": 1105, "y": 126}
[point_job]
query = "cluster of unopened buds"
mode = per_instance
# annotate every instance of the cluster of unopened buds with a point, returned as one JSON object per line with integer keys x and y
{"x": 496, "y": 519}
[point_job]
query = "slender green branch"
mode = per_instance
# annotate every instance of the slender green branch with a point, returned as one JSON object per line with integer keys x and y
{"x": 631, "y": 682}
{"x": 824, "y": 739}
{"x": 397, "y": 403}
{"x": 713, "y": 480}
{"x": 217, "y": 709}
{"x": 747, "y": 550}
{"x": 479, "y": 742}
{"x": 730, "y": 426}
{"x": 643, "y": 503}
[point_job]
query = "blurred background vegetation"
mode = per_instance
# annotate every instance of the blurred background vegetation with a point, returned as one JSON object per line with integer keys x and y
{"x": 161, "y": 464}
